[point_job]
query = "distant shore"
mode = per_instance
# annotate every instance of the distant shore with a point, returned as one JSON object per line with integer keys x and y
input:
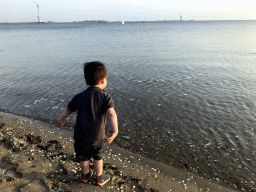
{"x": 105, "y": 21}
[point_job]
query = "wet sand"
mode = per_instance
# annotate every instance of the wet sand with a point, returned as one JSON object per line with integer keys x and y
{"x": 36, "y": 156}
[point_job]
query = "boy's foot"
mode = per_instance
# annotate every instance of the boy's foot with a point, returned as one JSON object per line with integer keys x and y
{"x": 86, "y": 177}
{"x": 102, "y": 179}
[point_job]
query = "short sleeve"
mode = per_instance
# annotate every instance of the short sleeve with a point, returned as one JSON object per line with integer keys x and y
{"x": 73, "y": 104}
{"x": 109, "y": 102}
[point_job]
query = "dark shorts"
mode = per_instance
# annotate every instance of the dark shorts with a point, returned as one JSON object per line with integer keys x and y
{"x": 85, "y": 150}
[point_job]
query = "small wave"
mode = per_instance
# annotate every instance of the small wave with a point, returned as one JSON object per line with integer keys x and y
{"x": 39, "y": 101}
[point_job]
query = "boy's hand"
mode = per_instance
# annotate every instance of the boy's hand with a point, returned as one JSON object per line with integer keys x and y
{"x": 60, "y": 124}
{"x": 65, "y": 113}
{"x": 110, "y": 138}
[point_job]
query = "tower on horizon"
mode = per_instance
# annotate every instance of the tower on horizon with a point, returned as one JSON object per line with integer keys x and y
{"x": 38, "y": 12}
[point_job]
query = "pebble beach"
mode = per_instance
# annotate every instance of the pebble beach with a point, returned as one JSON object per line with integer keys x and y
{"x": 36, "y": 156}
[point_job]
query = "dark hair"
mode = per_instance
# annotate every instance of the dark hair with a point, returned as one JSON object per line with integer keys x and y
{"x": 94, "y": 72}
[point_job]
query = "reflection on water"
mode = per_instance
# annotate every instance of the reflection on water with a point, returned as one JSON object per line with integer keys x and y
{"x": 184, "y": 92}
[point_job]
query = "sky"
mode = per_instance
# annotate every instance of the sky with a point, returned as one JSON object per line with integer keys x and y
{"x": 124, "y": 10}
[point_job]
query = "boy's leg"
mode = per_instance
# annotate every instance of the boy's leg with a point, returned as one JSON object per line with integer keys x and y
{"x": 101, "y": 178}
{"x": 82, "y": 149}
{"x": 87, "y": 173}
{"x": 85, "y": 166}
{"x": 98, "y": 167}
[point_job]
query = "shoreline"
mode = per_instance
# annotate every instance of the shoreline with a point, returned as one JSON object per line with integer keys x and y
{"x": 36, "y": 154}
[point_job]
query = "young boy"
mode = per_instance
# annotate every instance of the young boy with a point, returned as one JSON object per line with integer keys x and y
{"x": 92, "y": 106}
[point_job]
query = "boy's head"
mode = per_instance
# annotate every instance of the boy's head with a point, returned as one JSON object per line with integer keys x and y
{"x": 94, "y": 72}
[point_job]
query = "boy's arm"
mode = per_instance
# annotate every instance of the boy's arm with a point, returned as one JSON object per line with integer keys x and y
{"x": 65, "y": 113}
{"x": 112, "y": 117}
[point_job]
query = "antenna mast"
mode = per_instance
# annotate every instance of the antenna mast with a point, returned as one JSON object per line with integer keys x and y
{"x": 38, "y": 12}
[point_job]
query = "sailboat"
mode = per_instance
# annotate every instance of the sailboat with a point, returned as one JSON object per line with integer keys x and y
{"x": 122, "y": 22}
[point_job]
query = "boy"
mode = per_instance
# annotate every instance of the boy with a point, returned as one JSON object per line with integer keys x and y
{"x": 92, "y": 106}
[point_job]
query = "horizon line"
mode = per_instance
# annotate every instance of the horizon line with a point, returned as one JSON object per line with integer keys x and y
{"x": 126, "y": 21}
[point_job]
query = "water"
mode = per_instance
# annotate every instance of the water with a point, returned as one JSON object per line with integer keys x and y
{"x": 184, "y": 91}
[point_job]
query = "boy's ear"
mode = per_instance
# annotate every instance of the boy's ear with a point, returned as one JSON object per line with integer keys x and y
{"x": 102, "y": 81}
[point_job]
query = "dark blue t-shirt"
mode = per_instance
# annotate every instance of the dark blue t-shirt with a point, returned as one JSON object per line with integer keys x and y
{"x": 91, "y": 106}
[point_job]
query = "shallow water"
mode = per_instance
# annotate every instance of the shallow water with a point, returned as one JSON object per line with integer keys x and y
{"x": 184, "y": 92}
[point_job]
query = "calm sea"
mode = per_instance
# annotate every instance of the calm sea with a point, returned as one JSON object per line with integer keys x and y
{"x": 184, "y": 92}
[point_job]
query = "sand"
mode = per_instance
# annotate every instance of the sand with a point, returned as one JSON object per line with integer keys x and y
{"x": 36, "y": 156}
